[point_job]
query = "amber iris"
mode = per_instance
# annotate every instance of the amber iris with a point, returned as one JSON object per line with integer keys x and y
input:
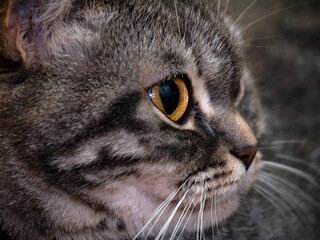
{"x": 171, "y": 97}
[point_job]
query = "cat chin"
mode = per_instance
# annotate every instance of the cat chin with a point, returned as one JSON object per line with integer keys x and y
{"x": 216, "y": 206}
{"x": 221, "y": 203}
{"x": 207, "y": 217}
{"x": 215, "y": 214}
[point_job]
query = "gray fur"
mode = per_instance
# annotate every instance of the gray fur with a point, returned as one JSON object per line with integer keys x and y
{"x": 82, "y": 147}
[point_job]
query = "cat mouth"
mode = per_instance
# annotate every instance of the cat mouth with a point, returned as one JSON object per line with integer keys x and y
{"x": 213, "y": 183}
{"x": 222, "y": 182}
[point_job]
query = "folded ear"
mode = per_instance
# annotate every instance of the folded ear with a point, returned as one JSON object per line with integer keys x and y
{"x": 12, "y": 56}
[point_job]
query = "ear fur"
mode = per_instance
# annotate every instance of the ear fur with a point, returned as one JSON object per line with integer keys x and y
{"x": 12, "y": 56}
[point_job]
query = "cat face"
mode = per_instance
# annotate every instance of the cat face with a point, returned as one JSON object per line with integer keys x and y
{"x": 82, "y": 123}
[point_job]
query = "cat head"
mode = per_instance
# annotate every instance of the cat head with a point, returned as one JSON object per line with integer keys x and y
{"x": 114, "y": 107}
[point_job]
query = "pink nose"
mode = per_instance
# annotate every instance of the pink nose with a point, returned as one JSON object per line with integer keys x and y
{"x": 246, "y": 155}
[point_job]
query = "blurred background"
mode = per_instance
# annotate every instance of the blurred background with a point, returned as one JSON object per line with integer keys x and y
{"x": 283, "y": 53}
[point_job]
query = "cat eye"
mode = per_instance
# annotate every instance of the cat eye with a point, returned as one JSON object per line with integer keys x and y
{"x": 171, "y": 97}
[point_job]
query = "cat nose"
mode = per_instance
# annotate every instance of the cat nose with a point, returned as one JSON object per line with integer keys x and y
{"x": 246, "y": 154}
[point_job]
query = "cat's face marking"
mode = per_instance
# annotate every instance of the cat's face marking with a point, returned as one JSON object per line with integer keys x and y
{"x": 201, "y": 94}
{"x": 85, "y": 124}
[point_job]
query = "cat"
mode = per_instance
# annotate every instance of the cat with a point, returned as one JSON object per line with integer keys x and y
{"x": 133, "y": 120}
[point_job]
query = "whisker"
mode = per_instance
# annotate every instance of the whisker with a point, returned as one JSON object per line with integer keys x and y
{"x": 219, "y": 1}
{"x": 250, "y": 47}
{"x": 162, "y": 211}
{"x": 290, "y": 187}
{"x": 264, "y": 38}
{"x": 212, "y": 225}
{"x": 275, "y": 47}
{"x": 185, "y": 29}
{"x": 299, "y": 161}
{"x": 164, "y": 204}
{"x": 245, "y": 10}
{"x": 269, "y": 147}
{"x": 201, "y": 210}
{"x": 291, "y": 158}
{"x": 166, "y": 225}
{"x": 281, "y": 143}
{"x": 226, "y": 8}
{"x": 215, "y": 213}
{"x": 175, "y": 6}
{"x": 199, "y": 215}
{"x": 271, "y": 14}
{"x": 272, "y": 184}
{"x": 183, "y": 215}
{"x": 180, "y": 235}
{"x": 288, "y": 141}
{"x": 275, "y": 202}
{"x": 296, "y": 171}
{"x": 288, "y": 199}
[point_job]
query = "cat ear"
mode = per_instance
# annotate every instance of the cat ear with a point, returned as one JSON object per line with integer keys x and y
{"x": 12, "y": 56}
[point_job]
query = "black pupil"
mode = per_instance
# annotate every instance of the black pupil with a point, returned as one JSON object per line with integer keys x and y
{"x": 169, "y": 94}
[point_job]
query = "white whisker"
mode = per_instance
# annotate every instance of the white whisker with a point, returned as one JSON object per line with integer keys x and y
{"x": 226, "y": 8}
{"x": 269, "y": 147}
{"x": 289, "y": 187}
{"x": 162, "y": 206}
{"x": 264, "y": 38}
{"x": 264, "y": 46}
{"x": 281, "y": 143}
{"x": 288, "y": 141}
{"x": 269, "y": 15}
{"x": 180, "y": 235}
{"x": 183, "y": 215}
{"x": 199, "y": 215}
{"x": 245, "y": 10}
{"x": 201, "y": 211}
{"x": 276, "y": 188}
{"x": 275, "y": 202}
{"x": 216, "y": 215}
{"x": 289, "y": 201}
{"x": 176, "y": 9}
{"x": 185, "y": 29}
{"x": 298, "y": 160}
{"x": 162, "y": 211}
{"x": 166, "y": 225}
{"x": 212, "y": 225}
{"x": 296, "y": 171}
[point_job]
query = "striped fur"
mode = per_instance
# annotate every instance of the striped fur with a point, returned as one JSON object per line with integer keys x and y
{"x": 84, "y": 152}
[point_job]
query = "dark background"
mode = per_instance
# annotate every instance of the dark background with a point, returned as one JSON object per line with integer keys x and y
{"x": 283, "y": 53}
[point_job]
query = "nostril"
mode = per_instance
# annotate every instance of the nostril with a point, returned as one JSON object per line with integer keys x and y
{"x": 246, "y": 155}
